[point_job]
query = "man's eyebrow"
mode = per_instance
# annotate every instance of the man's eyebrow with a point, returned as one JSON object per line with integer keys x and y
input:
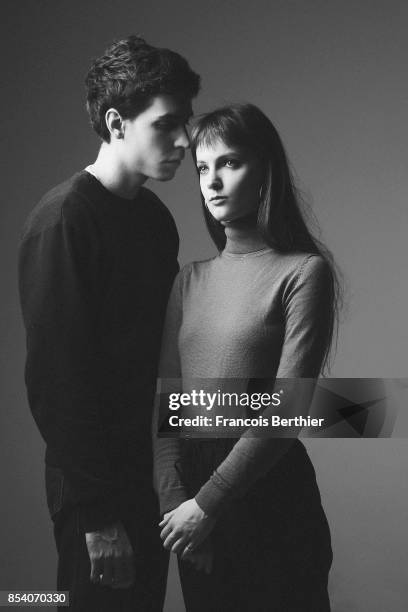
{"x": 179, "y": 116}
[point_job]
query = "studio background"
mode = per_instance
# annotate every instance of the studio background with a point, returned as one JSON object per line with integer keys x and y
{"x": 332, "y": 76}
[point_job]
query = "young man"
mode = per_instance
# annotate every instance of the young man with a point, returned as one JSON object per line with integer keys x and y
{"x": 97, "y": 259}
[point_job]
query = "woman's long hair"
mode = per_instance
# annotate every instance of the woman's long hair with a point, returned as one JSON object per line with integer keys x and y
{"x": 280, "y": 220}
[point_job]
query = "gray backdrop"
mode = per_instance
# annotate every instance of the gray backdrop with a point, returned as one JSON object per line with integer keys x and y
{"x": 332, "y": 76}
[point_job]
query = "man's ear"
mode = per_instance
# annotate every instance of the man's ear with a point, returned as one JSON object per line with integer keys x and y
{"x": 114, "y": 123}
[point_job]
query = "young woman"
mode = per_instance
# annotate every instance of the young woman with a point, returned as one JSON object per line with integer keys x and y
{"x": 244, "y": 516}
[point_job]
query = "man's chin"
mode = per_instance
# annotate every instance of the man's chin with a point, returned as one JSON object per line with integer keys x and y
{"x": 165, "y": 174}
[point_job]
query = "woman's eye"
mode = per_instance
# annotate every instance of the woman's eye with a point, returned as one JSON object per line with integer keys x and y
{"x": 202, "y": 169}
{"x": 232, "y": 163}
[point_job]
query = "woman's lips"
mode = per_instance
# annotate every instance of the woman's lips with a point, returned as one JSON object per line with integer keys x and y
{"x": 218, "y": 200}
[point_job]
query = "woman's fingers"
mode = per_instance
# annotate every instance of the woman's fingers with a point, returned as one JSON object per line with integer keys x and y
{"x": 170, "y": 536}
{"x": 179, "y": 546}
{"x": 201, "y": 561}
{"x": 166, "y": 531}
{"x": 188, "y": 551}
{"x": 175, "y": 542}
{"x": 169, "y": 541}
{"x": 166, "y": 518}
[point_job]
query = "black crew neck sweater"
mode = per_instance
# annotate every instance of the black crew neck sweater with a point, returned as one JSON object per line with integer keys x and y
{"x": 95, "y": 271}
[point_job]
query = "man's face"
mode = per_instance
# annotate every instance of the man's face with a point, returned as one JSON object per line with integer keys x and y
{"x": 155, "y": 141}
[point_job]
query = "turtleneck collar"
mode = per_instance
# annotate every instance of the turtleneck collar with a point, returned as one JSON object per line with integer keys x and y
{"x": 243, "y": 240}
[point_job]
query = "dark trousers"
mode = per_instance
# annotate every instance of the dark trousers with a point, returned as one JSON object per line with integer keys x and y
{"x": 255, "y": 576}
{"x": 151, "y": 562}
{"x": 272, "y": 548}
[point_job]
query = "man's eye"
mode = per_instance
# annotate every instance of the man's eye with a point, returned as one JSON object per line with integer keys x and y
{"x": 166, "y": 126}
{"x": 202, "y": 169}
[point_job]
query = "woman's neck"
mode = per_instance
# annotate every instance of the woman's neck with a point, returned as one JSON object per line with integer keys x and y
{"x": 243, "y": 237}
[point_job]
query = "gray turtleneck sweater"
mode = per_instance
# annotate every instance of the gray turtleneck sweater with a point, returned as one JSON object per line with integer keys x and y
{"x": 259, "y": 314}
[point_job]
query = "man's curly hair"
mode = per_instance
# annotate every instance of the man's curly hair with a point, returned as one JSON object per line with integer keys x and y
{"x": 129, "y": 74}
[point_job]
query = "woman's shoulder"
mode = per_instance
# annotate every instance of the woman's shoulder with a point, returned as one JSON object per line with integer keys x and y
{"x": 305, "y": 274}
{"x": 198, "y": 267}
{"x": 301, "y": 263}
{"x": 193, "y": 275}
{"x": 291, "y": 272}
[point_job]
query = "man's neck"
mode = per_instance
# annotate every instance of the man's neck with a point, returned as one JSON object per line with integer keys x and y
{"x": 113, "y": 174}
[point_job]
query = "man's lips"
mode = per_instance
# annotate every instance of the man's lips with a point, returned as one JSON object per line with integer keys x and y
{"x": 176, "y": 160}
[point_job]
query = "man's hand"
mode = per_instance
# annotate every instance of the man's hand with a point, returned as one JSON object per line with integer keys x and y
{"x": 186, "y": 526}
{"x": 111, "y": 556}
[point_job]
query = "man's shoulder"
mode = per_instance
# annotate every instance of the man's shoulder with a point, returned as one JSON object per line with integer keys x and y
{"x": 156, "y": 204}
{"x": 67, "y": 201}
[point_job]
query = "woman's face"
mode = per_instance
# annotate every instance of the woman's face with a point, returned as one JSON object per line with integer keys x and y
{"x": 230, "y": 180}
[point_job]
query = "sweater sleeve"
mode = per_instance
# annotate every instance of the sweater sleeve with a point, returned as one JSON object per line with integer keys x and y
{"x": 58, "y": 274}
{"x": 167, "y": 480}
{"x": 307, "y": 303}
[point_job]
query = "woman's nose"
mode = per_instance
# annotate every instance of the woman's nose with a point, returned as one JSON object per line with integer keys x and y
{"x": 214, "y": 180}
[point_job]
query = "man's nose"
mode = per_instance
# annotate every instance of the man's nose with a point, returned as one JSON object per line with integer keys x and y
{"x": 182, "y": 139}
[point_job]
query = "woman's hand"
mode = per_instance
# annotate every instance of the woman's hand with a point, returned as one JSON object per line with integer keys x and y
{"x": 185, "y": 527}
{"x": 202, "y": 557}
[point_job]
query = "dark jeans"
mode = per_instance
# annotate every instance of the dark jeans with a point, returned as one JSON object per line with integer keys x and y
{"x": 272, "y": 549}
{"x": 151, "y": 561}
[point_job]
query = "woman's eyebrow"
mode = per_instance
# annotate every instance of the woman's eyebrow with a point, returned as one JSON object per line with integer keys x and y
{"x": 222, "y": 157}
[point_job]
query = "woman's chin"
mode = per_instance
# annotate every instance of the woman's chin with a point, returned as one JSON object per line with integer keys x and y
{"x": 225, "y": 218}
{"x": 238, "y": 220}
